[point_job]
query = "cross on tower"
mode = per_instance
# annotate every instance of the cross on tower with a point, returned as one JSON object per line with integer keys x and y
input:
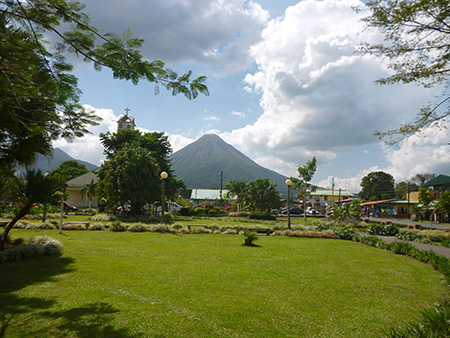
{"x": 127, "y": 110}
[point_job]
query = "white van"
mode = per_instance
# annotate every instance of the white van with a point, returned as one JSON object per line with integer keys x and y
{"x": 171, "y": 206}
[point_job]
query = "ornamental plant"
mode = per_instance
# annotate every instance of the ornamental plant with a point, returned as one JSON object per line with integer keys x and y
{"x": 250, "y": 237}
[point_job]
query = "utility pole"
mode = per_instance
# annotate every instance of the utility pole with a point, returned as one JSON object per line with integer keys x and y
{"x": 409, "y": 193}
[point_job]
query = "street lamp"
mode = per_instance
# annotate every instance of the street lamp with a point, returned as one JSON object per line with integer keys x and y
{"x": 289, "y": 183}
{"x": 163, "y": 176}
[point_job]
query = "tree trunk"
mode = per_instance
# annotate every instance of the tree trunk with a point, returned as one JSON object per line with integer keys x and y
{"x": 21, "y": 213}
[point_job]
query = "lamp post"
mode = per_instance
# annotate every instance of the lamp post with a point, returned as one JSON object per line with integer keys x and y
{"x": 289, "y": 183}
{"x": 163, "y": 176}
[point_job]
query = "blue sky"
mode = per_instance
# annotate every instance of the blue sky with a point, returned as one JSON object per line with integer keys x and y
{"x": 286, "y": 84}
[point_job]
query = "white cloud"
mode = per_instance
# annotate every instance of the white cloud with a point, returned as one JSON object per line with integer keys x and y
{"x": 239, "y": 114}
{"x": 179, "y": 142}
{"x": 211, "y": 118}
{"x": 88, "y": 148}
{"x": 216, "y": 33}
{"x": 318, "y": 95}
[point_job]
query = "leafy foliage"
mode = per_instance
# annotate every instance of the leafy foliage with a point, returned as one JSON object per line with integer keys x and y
{"x": 39, "y": 97}
{"x": 68, "y": 170}
{"x": 383, "y": 230}
{"x": 250, "y": 237}
{"x": 376, "y": 186}
{"x": 261, "y": 195}
{"x": 130, "y": 176}
{"x": 36, "y": 188}
{"x": 417, "y": 35}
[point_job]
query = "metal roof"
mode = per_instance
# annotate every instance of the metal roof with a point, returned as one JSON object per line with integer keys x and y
{"x": 438, "y": 180}
{"x": 330, "y": 192}
{"x": 209, "y": 194}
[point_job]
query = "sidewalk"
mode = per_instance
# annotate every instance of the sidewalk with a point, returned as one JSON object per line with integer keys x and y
{"x": 405, "y": 222}
{"x": 439, "y": 249}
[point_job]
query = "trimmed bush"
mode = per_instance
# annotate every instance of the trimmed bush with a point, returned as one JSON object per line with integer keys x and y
{"x": 383, "y": 230}
{"x": 408, "y": 235}
{"x": 96, "y": 226}
{"x": 262, "y": 216}
{"x": 36, "y": 246}
{"x": 103, "y": 217}
{"x": 117, "y": 226}
{"x": 137, "y": 228}
{"x": 346, "y": 234}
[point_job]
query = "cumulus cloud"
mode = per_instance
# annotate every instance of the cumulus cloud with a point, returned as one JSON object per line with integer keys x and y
{"x": 88, "y": 148}
{"x": 318, "y": 95}
{"x": 216, "y": 33}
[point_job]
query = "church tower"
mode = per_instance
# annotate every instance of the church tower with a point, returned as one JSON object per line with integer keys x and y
{"x": 125, "y": 121}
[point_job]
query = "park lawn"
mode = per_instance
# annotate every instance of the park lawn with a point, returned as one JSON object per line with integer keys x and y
{"x": 109, "y": 284}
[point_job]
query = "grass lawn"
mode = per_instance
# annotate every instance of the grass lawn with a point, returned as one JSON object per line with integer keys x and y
{"x": 110, "y": 284}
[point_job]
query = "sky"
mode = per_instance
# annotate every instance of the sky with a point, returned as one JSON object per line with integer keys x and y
{"x": 286, "y": 83}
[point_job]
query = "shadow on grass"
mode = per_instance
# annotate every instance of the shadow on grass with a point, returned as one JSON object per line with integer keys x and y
{"x": 89, "y": 320}
{"x": 18, "y": 275}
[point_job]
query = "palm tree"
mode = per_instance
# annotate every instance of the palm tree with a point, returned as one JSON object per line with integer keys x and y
{"x": 237, "y": 188}
{"x": 36, "y": 188}
{"x": 91, "y": 190}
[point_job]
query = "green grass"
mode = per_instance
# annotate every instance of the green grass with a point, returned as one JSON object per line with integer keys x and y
{"x": 162, "y": 285}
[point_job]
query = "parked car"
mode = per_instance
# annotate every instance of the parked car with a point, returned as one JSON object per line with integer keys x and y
{"x": 171, "y": 206}
{"x": 68, "y": 207}
{"x": 311, "y": 211}
{"x": 293, "y": 211}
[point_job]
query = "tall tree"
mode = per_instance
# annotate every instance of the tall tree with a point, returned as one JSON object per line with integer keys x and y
{"x": 376, "y": 186}
{"x": 39, "y": 97}
{"x": 238, "y": 189}
{"x": 156, "y": 143}
{"x": 426, "y": 200}
{"x": 420, "y": 179}
{"x": 130, "y": 177}
{"x": 262, "y": 195}
{"x": 302, "y": 184}
{"x": 68, "y": 170}
{"x": 36, "y": 188}
{"x": 417, "y": 35}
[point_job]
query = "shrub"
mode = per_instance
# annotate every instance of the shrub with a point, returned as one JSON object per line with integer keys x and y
{"x": 262, "y": 216}
{"x": 408, "y": 236}
{"x": 402, "y": 248}
{"x": 51, "y": 245}
{"x": 199, "y": 211}
{"x": 96, "y": 226}
{"x": 21, "y": 225}
{"x": 346, "y": 234}
{"x": 103, "y": 217}
{"x": 212, "y": 227}
{"x": 250, "y": 237}
{"x": 383, "y": 230}
{"x": 185, "y": 212}
{"x": 373, "y": 241}
{"x": 159, "y": 228}
{"x": 117, "y": 226}
{"x": 177, "y": 227}
{"x": 431, "y": 323}
{"x": 137, "y": 228}
{"x": 435, "y": 235}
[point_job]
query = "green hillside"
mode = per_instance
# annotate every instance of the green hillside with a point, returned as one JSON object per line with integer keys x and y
{"x": 49, "y": 163}
{"x": 200, "y": 163}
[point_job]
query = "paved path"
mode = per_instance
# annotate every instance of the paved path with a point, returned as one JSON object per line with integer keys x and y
{"x": 439, "y": 249}
{"x": 405, "y": 222}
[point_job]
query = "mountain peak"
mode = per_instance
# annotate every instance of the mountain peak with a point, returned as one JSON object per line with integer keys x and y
{"x": 199, "y": 164}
